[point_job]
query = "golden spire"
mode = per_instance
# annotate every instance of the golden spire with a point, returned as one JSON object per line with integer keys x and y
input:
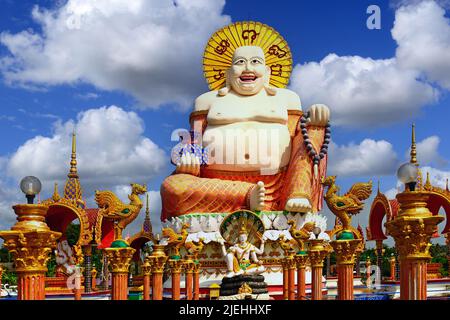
{"x": 446, "y": 185}
{"x": 147, "y": 226}
{"x": 378, "y": 191}
{"x": 73, "y": 161}
{"x": 413, "y": 152}
{"x": 56, "y": 197}
{"x": 427, "y": 185}
{"x": 72, "y": 188}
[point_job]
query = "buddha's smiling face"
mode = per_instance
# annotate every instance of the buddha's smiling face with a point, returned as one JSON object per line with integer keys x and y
{"x": 248, "y": 73}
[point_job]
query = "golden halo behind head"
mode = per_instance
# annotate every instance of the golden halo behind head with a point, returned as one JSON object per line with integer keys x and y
{"x": 219, "y": 51}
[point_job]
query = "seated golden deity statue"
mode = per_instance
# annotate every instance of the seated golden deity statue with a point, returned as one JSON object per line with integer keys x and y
{"x": 241, "y": 258}
{"x": 264, "y": 152}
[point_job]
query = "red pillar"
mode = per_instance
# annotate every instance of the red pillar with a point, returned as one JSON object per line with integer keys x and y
{"x": 119, "y": 286}
{"x": 30, "y": 285}
{"x": 345, "y": 282}
{"x": 316, "y": 283}
{"x": 147, "y": 286}
{"x": 301, "y": 260}
{"x": 197, "y": 281}
{"x": 175, "y": 285}
{"x": 291, "y": 279}
{"x": 157, "y": 290}
{"x": 285, "y": 281}
{"x": 189, "y": 283}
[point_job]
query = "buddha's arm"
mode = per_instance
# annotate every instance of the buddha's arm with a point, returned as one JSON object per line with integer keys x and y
{"x": 300, "y": 180}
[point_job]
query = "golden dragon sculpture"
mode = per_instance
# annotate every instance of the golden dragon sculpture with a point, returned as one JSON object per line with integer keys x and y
{"x": 176, "y": 240}
{"x": 112, "y": 208}
{"x": 344, "y": 207}
{"x": 301, "y": 235}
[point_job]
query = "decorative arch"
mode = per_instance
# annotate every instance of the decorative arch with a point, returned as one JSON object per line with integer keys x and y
{"x": 60, "y": 214}
{"x": 436, "y": 201}
{"x": 138, "y": 240}
{"x": 380, "y": 208}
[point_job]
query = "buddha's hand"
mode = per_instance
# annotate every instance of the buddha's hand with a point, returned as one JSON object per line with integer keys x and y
{"x": 298, "y": 205}
{"x": 189, "y": 164}
{"x": 319, "y": 115}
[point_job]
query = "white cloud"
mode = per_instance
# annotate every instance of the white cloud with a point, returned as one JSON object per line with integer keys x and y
{"x": 438, "y": 178}
{"x": 111, "y": 150}
{"x": 428, "y": 152}
{"x": 369, "y": 158}
{"x": 150, "y": 49}
{"x": 423, "y": 35}
{"x": 361, "y": 91}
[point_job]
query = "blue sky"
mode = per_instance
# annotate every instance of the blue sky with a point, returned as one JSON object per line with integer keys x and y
{"x": 148, "y": 65}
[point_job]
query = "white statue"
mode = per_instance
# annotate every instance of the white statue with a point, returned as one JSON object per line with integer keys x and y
{"x": 241, "y": 258}
{"x": 64, "y": 258}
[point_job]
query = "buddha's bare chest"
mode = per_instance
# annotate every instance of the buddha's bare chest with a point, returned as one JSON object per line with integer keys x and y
{"x": 230, "y": 109}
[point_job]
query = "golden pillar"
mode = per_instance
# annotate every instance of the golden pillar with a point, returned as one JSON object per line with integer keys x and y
{"x": 175, "y": 266}
{"x": 392, "y": 267}
{"x": 317, "y": 253}
{"x": 147, "y": 272}
{"x": 119, "y": 259}
{"x": 158, "y": 261}
{"x": 94, "y": 278}
{"x": 189, "y": 266}
{"x": 300, "y": 261}
{"x": 30, "y": 242}
{"x": 346, "y": 251}
{"x": 412, "y": 230}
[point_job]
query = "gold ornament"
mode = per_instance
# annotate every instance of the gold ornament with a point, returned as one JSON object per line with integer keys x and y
{"x": 176, "y": 240}
{"x": 301, "y": 235}
{"x": 111, "y": 207}
{"x": 218, "y": 54}
{"x": 346, "y": 250}
{"x": 245, "y": 289}
{"x": 343, "y": 207}
{"x": 119, "y": 259}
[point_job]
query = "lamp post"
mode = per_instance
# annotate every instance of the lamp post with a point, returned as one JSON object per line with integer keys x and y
{"x": 412, "y": 229}
{"x": 317, "y": 253}
{"x": 30, "y": 241}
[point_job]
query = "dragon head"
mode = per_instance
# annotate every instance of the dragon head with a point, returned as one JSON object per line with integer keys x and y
{"x": 138, "y": 189}
{"x": 328, "y": 181}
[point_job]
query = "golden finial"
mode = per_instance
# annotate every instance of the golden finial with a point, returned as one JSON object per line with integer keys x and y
{"x": 413, "y": 146}
{"x": 427, "y": 185}
{"x": 446, "y": 185}
{"x": 73, "y": 161}
{"x": 378, "y": 191}
{"x": 56, "y": 197}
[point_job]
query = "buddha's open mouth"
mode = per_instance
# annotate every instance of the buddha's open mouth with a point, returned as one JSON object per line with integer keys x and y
{"x": 248, "y": 77}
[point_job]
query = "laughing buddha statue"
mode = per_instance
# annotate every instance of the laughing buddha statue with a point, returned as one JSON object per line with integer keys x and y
{"x": 263, "y": 149}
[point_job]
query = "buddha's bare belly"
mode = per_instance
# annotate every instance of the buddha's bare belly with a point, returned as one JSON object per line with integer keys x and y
{"x": 248, "y": 146}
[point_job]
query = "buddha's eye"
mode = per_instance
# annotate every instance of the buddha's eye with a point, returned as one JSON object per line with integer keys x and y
{"x": 256, "y": 61}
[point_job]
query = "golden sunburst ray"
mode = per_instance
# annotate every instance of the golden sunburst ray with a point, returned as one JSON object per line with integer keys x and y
{"x": 222, "y": 44}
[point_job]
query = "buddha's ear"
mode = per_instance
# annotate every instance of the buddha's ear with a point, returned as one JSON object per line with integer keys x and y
{"x": 224, "y": 91}
{"x": 271, "y": 91}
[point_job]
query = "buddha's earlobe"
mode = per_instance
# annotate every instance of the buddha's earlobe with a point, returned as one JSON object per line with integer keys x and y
{"x": 224, "y": 91}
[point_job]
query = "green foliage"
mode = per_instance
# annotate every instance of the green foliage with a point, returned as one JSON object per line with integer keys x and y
{"x": 9, "y": 278}
{"x": 51, "y": 266}
{"x": 73, "y": 233}
{"x": 4, "y": 255}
